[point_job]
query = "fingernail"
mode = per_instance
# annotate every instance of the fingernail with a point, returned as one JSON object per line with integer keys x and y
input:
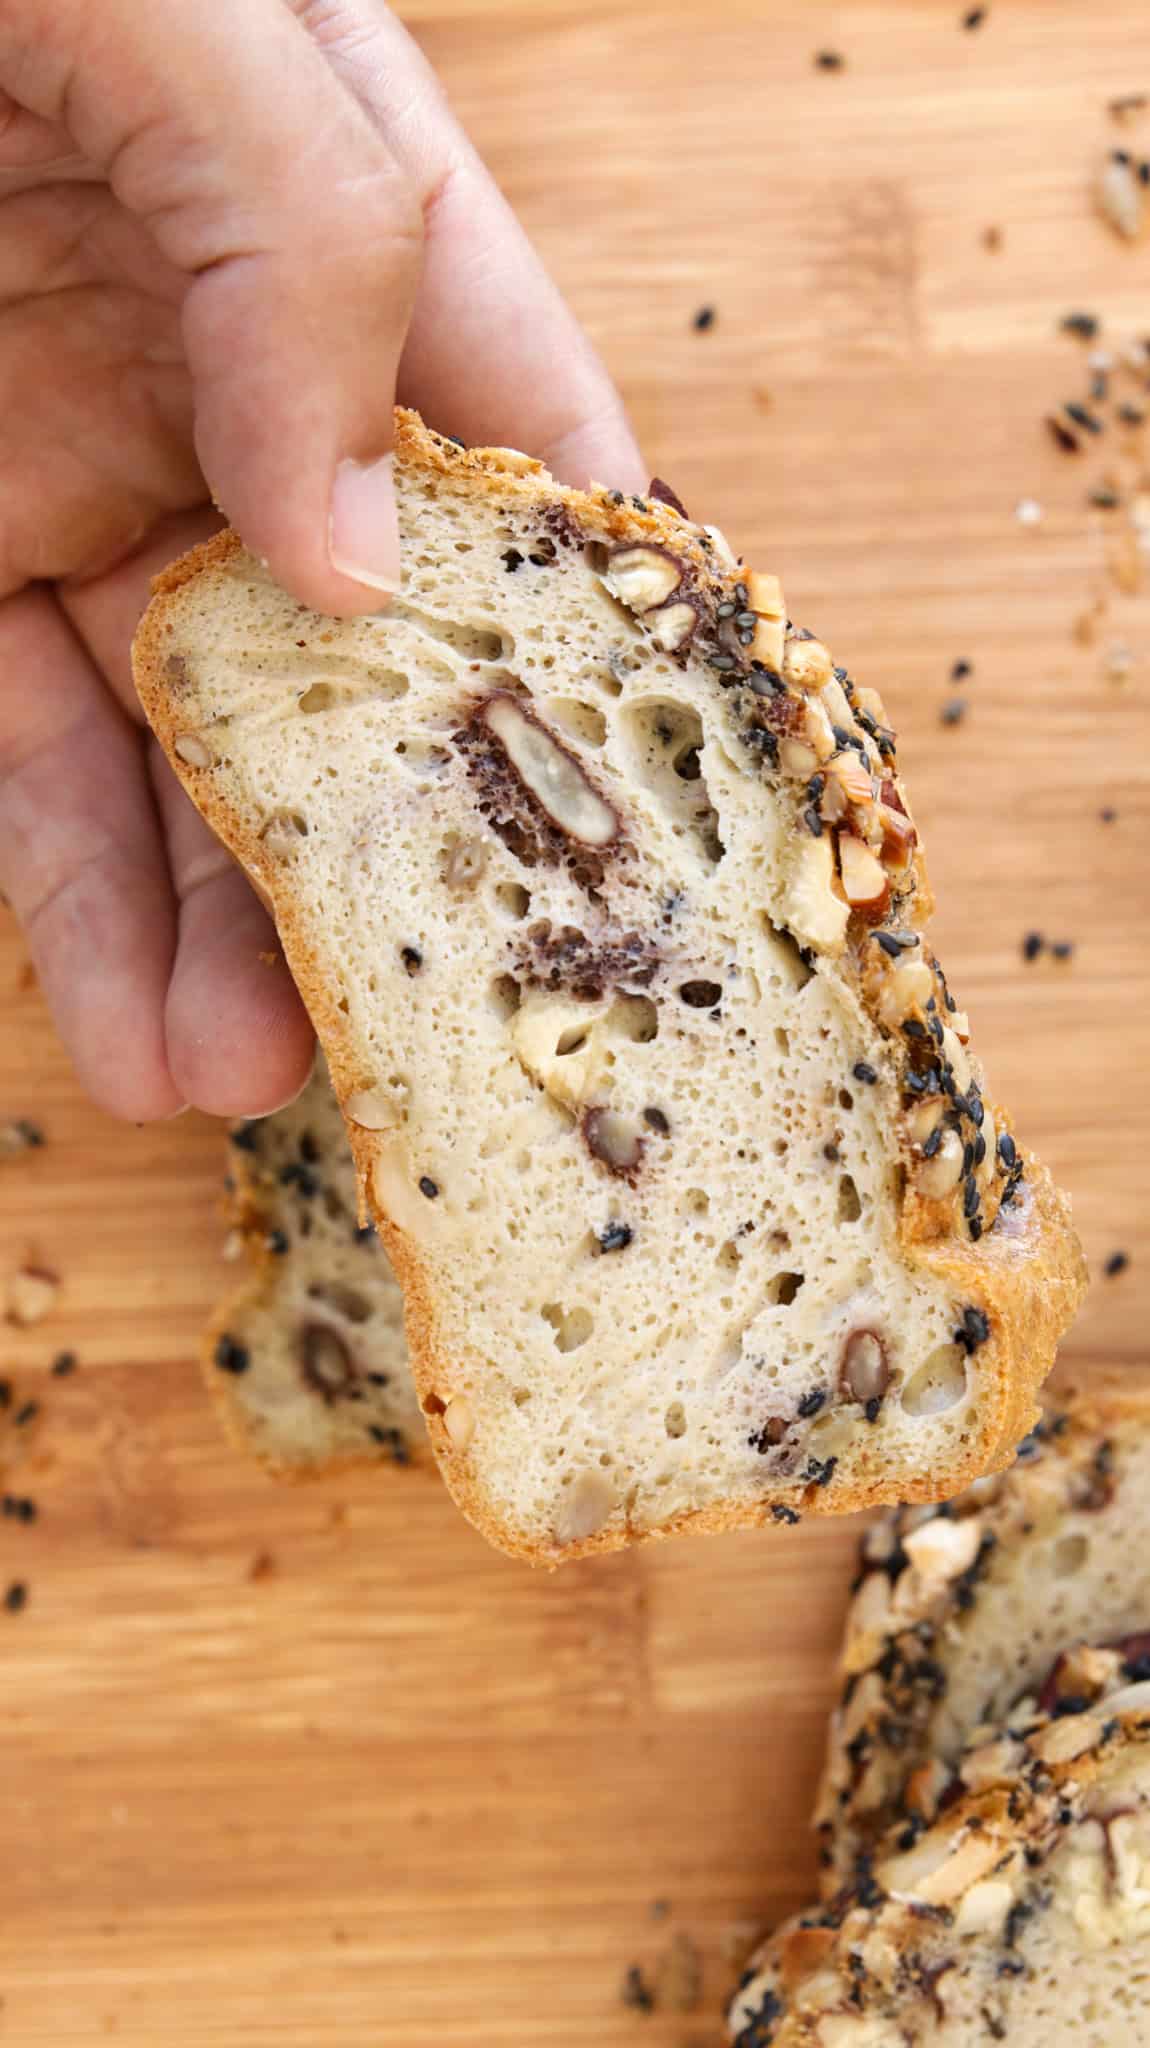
{"x": 363, "y": 530}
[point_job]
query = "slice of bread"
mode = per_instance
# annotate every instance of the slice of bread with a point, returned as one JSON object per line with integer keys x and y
{"x": 961, "y": 1611}
{"x": 600, "y": 884}
{"x": 307, "y": 1360}
{"x": 1021, "y": 1915}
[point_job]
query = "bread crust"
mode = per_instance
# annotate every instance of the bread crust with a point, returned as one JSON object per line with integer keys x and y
{"x": 1026, "y": 1272}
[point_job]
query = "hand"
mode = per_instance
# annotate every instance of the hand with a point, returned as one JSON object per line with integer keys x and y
{"x": 226, "y": 243}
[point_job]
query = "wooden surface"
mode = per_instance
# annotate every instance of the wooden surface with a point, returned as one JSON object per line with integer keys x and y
{"x": 311, "y": 1766}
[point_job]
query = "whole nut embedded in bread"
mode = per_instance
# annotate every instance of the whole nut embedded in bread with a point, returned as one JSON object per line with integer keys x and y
{"x": 1062, "y": 1742}
{"x": 615, "y": 1140}
{"x": 283, "y": 832}
{"x": 852, "y": 776}
{"x": 865, "y": 884}
{"x": 192, "y": 749}
{"x": 459, "y": 1421}
{"x": 942, "y": 1549}
{"x": 815, "y": 912}
{"x": 371, "y": 1109}
{"x": 672, "y": 626}
{"x": 551, "y": 774}
{"x": 768, "y": 644}
{"x": 907, "y": 988}
{"x": 765, "y": 595}
{"x": 466, "y": 863}
{"x": 797, "y": 759}
{"x": 642, "y": 577}
{"x": 864, "y": 1371}
{"x": 591, "y": 1502}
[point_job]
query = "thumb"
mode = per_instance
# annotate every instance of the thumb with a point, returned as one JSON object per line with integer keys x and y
{"x": 264, "y": 183}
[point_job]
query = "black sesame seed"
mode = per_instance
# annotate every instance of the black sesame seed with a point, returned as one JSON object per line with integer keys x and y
{"x": 277, "y": 1242}
{"x": 1115, "y": 1264}
{"x": 26, "y": 1414}
{"x": 891, "y": 946}
{"x": 616, "y": 1237}
{"x": 969, "y": 1198}
{"x": 1084, "y": 325}
{"x": 975, "y": 1327}
{"x": 723, "y": 662}
{"x": 1131, "y": 415}
{"x": 932, "y": 1143}
{"x": 428, "y": 1187}
{"x": 937, "y": 1028}
{"x": 976, "y": 1228}
{"x": 232, "y": 1357}
{"x": 913, "y": 1027}
{"x": 1108, "y": 814}
{"x": 820, "y": 1471}
{"x": 64, "y": 1363}
{"x": 812, "y": 1402}
{"x": 974, "y": 17}
{"x": 726, "y": 610}
{"x": 863, "y": 1071}
{"x": 831, "y": 1152}
{"x": 979, "y": 1148}
{"x": 1063, "y": 949}
{"x": 781, "y": 1513}
{"x": 636, "y": 1991}
{"x": 308, "y": 1149}
{"x": 1105, "y": 498}
{"x": 245, "y": 1137}
{"x": 960, "y": 669}
{"x": 872, "y": 1407}
{"x": 1061, "y": 435}
{"x": 1007, "y": 1151}
{"x": 954, "y": 712}
{"x": 364, "y": 1232}
{"x": 704, "y": 320}
{"x": 812, "y": 821}
{"x": 5, "y": 1393}
{"x": 657, "y": 1120}
{"x": 829, "y": 60}
{"x": 616, "y": 497}
{"x": 967, "y": 1157}
{"x": 1083, "y": 417}
{"x": 1032, "y": 945}
{"x": 512, "y": 559}
{"x": 16, "y": 1597}
{"x": 975, "y": 1109}
{"x": 412, "y": 958}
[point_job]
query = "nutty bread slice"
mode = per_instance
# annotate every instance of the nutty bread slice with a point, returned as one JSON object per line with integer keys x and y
{"x": 600, "y": 883}
{"x": 307, "y": 1361}
{"x": 1021, "y": 1915}
{"x": 961, "y": 1610}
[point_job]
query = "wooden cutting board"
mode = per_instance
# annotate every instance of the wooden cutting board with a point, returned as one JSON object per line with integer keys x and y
{"x": 311, "y": 1765}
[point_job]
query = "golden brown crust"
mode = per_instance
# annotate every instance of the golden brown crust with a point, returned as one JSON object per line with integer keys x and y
{"x": 1026, "y": 1271}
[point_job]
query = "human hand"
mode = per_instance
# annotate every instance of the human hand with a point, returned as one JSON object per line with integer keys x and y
{"x": 224, "y": 247}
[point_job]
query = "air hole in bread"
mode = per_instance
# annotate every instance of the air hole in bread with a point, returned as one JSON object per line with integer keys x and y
{"x": 850, "y": 1207}
{"x": 700, "y": 995}
{"x": 513, "y": 899}
{"x": 506, "y": 996}
{"x": 663, "y": 740}
{"x": 729, "y": 1258}
{"x": 422, "y": 759}
{"x": 634, "y": 1018}
{"x": 675, "y": 1420}
{"x": 572, "y": 1326}
{"x": 1069, "y": 1555}
{"x": 465, "y": 636}
{"x": 938, "y": 1384}
{"x": 783, "y": 1288}
{"x": 345, "y": 1301}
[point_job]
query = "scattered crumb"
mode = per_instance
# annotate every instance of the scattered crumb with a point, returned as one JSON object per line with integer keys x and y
{"x": 974, "y": 17}
{"x": 30, "y": 1295}
{"x": 1115, "y": 1264}
{"x": 19, "y": 1134}
{"x": 262, "y": 1566}
{"x": 65, "y": 1362}
{"x": 704, "y": 319}
{"x": 16, "y": 1597}
{"x": 1127, "y": 106}
{"x": 1032, "y": 945}
{"x": 1119, "y": 661}
{"x": 992, "y": 238}
{"x": 1063, "y": 949}
{"x": 636, "y": 1991}
{"x": 1121, "y": 190}
{"x": 1086, "y": 625}
{"x": 960, "y": 670}
{"x": 659, "y": 1909}
{"x": 271, "y": 959}
{"x": 679, "y": 1976}
{"x": 1028, "y": 512}
{"x": 1108, "y": 814}
{"x": 954, "y": 712}
{"x": 1124, "y": 562}
{"x": 1084, "y": 325}
{"x": 233, "y": 1246}
{"x": 761, "y": 398}
{"x": 829, "y": 60}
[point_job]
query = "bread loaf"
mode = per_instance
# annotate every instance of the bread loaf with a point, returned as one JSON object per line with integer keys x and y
{"x": 600, "y": 882}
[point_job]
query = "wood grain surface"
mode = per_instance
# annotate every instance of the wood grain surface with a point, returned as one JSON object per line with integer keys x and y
{"x": 311, "y": 1766}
